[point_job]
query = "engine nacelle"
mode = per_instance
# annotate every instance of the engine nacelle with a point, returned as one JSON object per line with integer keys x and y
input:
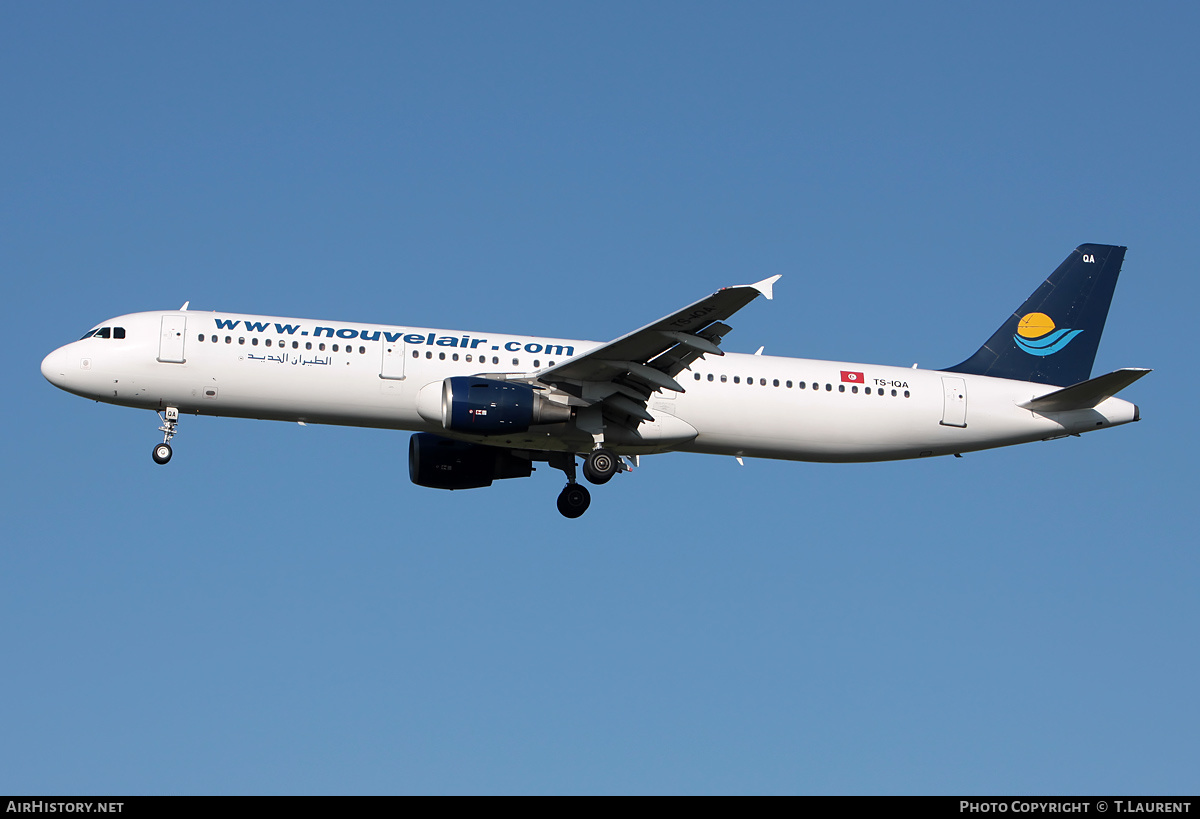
{"x": 485, "y": 406}
{"x": 441, "y": 463}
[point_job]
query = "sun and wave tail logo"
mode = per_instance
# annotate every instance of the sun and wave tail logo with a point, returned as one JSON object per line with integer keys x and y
{"x": 1037, "y": 335}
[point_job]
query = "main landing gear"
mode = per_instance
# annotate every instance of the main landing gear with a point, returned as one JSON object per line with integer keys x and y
{"x": 170, "y": 419}
{"x": 599, "y": 466}
{"x": 574, "y": 500}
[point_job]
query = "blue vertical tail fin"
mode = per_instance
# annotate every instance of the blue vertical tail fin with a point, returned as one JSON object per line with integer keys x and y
{"x": 1053, "y": 337}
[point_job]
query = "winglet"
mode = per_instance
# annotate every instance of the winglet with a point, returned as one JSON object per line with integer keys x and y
{"x": 766, "y": 285}
{"x": 186, "y": 303}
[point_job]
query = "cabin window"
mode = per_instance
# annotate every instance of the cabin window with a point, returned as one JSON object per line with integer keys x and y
{"x": 254, "y": 341}
{"x": 516, "y": 362}
{"x": 737, "y": 379}
{"x": 789, "y": 384}
{"x": 200, "y": 337}
{"x": 867, "y": 390}
{"x": 214, "y": 339}
{"x": 906, "y": 394}
{"x": 321, "y": 347}
{"x": 268, "y": 342}
{"x": 228, "y": 340}
{"x": 429, "y": 354}
{"x": 710, "y": 376}
{"x": 696, "y": 377}
{"x": 241, "y": 339}
{"x": 828, "y": 388}
{"x": 841, "y": 387}
{"x": 537, "y": 363}
{"x": 452, "y": 358}
{"x": 723, "y": 379}
{"x": 295, "y": 345}
{"x": 308, "y": 345}
{"x": 893, "y": 393}
{"x": 468, "y": 358}
{"x": 776, "y": 382}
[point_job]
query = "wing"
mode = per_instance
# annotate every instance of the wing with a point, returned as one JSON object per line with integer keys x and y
{"x": 622, "y": 374}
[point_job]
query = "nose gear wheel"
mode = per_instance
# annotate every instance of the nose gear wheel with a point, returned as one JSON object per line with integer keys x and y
{"x": 170, "y": 419}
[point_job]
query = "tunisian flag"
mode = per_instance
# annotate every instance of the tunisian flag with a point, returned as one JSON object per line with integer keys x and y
{"x": 855, "y": 378}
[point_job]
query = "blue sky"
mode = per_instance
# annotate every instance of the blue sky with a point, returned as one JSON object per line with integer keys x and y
{"x": 279, "y": 610}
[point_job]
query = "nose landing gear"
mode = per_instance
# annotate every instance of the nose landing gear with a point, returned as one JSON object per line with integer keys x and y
{"x": 170, "y": 419}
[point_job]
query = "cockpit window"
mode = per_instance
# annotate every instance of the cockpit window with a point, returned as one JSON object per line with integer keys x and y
{"x": 105, "y": 332}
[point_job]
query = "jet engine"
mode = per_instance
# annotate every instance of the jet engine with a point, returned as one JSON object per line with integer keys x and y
{"x": 441, "y": 463}
{"x": 485, "y": 406}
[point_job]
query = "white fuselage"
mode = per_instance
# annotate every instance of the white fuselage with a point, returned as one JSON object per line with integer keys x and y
{"x": 331, "y": 372}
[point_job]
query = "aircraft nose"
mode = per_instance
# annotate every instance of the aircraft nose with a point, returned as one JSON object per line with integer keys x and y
{"x": 54, "y": 367}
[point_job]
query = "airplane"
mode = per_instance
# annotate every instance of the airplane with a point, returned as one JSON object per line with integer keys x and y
{"x": 487, "y": 406}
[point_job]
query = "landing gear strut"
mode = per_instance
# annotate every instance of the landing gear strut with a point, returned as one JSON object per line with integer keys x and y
{"x": 574, "y": 500}
{"x": 170, "y": 419}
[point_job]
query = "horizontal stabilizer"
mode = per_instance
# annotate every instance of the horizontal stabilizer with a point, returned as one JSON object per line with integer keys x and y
{"x": 1086, "y": 394}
